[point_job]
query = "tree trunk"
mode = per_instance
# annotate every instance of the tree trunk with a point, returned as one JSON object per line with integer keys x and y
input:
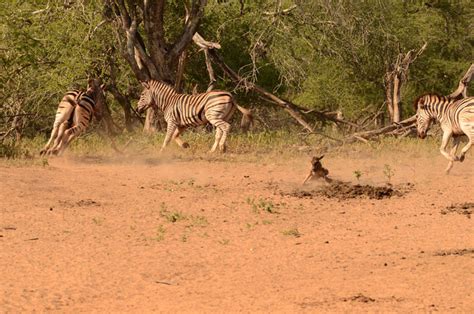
{"x": 124, "y": 102}
{"x": 394, "y": 78}
{"x": 156, "y": 57}
{"x": 388, "y": 94}
{"x": 396, "y": 100}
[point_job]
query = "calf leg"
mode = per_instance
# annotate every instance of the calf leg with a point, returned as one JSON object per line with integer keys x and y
{"x": 310, "y": 175}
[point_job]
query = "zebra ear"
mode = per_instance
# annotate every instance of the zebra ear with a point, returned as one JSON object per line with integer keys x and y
{"x": 145, "y": 84}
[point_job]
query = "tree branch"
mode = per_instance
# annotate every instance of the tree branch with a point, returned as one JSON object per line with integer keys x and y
{"x": 190, "y": 28}
{"x": 463, "y": 83}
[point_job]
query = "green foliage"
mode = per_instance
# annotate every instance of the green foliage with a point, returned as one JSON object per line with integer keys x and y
{"x": 357, "y": 174}
{"x": 388, "y": 172}
{"x": 325, "y": 55}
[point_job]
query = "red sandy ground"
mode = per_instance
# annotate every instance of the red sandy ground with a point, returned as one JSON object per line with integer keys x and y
{"x": 195, "y": 235}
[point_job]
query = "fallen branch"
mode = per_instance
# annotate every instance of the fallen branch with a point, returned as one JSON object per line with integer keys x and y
{"x": 392, "y": 129}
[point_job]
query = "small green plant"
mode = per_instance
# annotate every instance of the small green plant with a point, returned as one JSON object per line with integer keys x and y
{"x": 98, "y": 220}
{"x": 262, "y": 204}
{"x": 388, "y": 172}
{"x": 224, "y": 241}
{"x": 171, "y": 216}
{"x": 199, "y": 221}
{"x": 357, "y": 174}
{"x": 293, "y": 232}
{"x": 160, "y": 233}
{"x": 44, "y": 162}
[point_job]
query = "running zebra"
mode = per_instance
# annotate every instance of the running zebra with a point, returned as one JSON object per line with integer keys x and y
{"x": 182, "y": 111}
{"x": 90, "y": 103}
{"x": 456, "y": 118}
{"x": 63, "y": 118}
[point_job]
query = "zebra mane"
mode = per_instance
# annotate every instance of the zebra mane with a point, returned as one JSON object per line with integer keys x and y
{"x": 439, "y": 96}
{"x": 162, "y": 83}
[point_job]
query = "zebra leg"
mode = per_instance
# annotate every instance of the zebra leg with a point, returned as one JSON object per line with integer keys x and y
{"x": 54, "y": 135}
{"x": 456, "y": 140}
{"x": 217, "y": 140}
{"x": 177, "y": 133}
{"x": 80, "y": 123}
{"x": 63, "y": 127}
{"x": 63, "y": 114}
{"x": 465, "y": 149}
{"x": 170, "y": 129}
{"x": 68, "y": 136}
{"x": 444, "y": 144}
{"x": 225, "y": 127}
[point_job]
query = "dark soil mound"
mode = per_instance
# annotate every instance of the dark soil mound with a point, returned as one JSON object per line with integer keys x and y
{"x": 462, "y": 208}
{"x": 345, "y": 190}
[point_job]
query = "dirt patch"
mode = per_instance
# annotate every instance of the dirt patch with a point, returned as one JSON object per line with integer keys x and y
{"x": 359, "y": 298}
{"x": 87, "y": 202}
{"x": 462, "y": 209}
{"x": 81, "y": 203}
{"x": 124, "y": 234}
{"x": 344, "y": 190}
{"x": 459, "y": 252}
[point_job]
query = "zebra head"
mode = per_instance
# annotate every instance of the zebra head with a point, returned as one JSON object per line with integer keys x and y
{"x": 97, "y": 91}
{"x": 423, "y": 117}
{"x": 146, "y": 98}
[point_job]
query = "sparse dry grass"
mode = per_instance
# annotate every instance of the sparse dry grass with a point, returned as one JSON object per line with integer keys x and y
{"x": 254, "y": 147}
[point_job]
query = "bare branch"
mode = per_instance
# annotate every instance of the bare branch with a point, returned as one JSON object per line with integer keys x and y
{"x": 463, "y": 83}
{"x": 190, "y": 28}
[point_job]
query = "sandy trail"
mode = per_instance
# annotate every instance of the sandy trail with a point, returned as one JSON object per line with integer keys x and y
{"x": 171, "y": 235}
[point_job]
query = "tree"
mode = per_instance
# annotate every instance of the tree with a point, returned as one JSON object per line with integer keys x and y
{"x": 150, "y": 51}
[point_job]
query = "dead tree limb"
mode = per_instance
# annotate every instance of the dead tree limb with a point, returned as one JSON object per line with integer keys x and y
{"x": 298, "y": 113}
{"x": 217, "y": 59}
{"x": 394, "y": 78}
{"x": 395, "y": 128}
{"x": 286, "y": 105}
{"x": 461, "y": 91}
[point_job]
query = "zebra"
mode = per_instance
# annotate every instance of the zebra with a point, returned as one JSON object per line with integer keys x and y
{"x": 63, "y": 118}
{"x": 90, "y": 103}
{"x": 456, "y": 118}
{"x": 182, "y": 111}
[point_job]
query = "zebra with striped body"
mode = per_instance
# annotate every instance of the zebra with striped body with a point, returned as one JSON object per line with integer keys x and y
{"x": 182, "y": 111}
{"x": 90, "y": 103}
{"x": 63, "y": 118}
{"x": 456, "y": 118}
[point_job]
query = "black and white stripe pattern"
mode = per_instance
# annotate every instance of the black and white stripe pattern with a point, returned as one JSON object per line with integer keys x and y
{"x": 182, "y": 111}
{"x": 456, "y": 118}
{"x": 62, "y": 120}
{"x": 85, "y": 105}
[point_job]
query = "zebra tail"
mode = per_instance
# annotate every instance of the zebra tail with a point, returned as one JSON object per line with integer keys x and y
{"x": 247, "y": 117}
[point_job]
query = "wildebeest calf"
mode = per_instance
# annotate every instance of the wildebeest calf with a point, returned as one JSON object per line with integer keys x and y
{"x": 317, "y": 170}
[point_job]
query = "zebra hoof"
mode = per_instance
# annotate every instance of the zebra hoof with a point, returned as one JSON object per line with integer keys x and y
{"x": 461, "y": 158}
{"x": 185, "y": 145}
